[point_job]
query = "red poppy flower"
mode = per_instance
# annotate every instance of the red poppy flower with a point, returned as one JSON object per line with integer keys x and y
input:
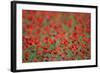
{"x": 52, "y": 25}
{"x": 47, "y": 28}
{"x": 35, "y": 60}
{"x": 88, "y": 30}
{"x": 51, "y": 41}
{"x": 69, "y": 22}
{"x": 24, "y": 28}
{"x": 45, "y": 48}
{"x": 83, "y": 46}
{"x": 74, "y": 47}
{"x": 31, "y": 42}
{"x": 65, "y": 42}
{"x": 78, "y": 29}
{"x": 63, "y": 55}
{"x": 74, "y": 36}
{"x": 39, "y": 52}
{"x": 86, "y": 39}
{"x": 30, "y": 17}
{"x": 45, "y": 59}
{"x": 36, "y": 41}
{"x": 27, "y": 54}
{"x": 40, "y": 20}
{"x": 58, "y": 36}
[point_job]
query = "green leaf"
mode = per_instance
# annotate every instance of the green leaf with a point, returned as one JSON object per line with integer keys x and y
{"x": 78, "y": 57}
{"x": 23, "y": 56}
{"x": 83, "y": 42}
{"x": 65, "y": 27}
{"x": 87, "y": 35}
{"x": 52, "y": 46}
{"x": 57, "y": 42}
{"x": 41, "y": 49}
{"x": 44, "y": 44}
{"x": 24, "y": 33}
{"x": 47, "y": 55}
{"x": 32, "y": 47}
{"x": 70, "y": 43}
{"x": 32, "y": 56}
{"x": 45, "y": 22}
{"x": 74, "y": 22}
{"x": 26, "y": 21}
{"x": 80, "y": 38}
{"x": 62, "y": 46}
{"x": 39, "y": 57}
{"x": 58, "y": 57}
{"x": 53, "y": 32}
{"x": 69, "y": 53}
{"x": 79, "y": 48}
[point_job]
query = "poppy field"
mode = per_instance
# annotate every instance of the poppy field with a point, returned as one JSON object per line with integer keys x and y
{"x": 55, "y": 36}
